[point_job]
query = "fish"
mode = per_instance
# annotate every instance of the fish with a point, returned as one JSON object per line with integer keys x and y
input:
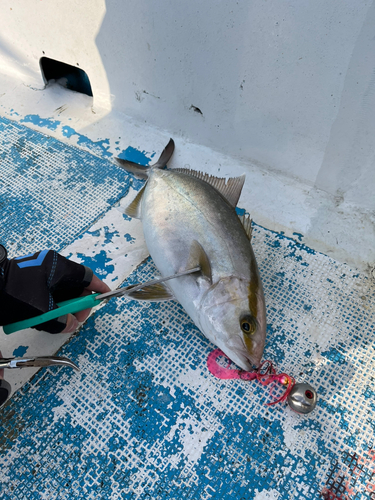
{"x": 189, "y": 219}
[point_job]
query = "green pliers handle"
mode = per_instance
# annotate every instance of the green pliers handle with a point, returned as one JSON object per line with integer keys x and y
{"x": 68, "y": 306}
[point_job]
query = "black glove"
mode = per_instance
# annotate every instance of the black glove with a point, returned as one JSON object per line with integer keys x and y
{"x": 4, "y": 391}
{"x": 31, "y": 285}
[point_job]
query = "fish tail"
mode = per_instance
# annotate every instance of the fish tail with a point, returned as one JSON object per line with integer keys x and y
{"x": 134, "y": 168}
{"x": 142, "y": 171}
{"x": 165, "y": 155}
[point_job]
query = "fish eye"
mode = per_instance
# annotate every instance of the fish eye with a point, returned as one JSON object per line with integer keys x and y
{"x": 248, "y": 324}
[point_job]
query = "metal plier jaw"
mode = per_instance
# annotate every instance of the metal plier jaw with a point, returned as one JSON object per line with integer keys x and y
{"x": 37, "y": 362}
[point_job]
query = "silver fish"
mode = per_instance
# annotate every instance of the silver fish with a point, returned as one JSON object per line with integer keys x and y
{"x": 189, "y": 219}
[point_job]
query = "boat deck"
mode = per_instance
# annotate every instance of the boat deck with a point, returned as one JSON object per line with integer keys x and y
{"x": 144, "y": 418}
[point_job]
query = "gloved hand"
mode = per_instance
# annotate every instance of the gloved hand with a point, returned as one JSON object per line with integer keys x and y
{"x": 33, "y": 284}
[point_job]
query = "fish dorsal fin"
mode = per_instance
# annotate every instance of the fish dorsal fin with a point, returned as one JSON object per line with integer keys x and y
{"x": 229, "y": 188}
{"x": 157, "y": 293}
{"x": 134, "y": 209}
{"x": 246, "y": 222}
{"x": 198, "y": 257}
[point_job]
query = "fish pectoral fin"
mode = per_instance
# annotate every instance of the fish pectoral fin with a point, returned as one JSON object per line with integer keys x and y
{"x": 156, "y": 293}
{"x": 198, "y": 257}
{"x": 229, "y": 188}
{"x": 134, "y": 209}
{"x": 246, "y": 222}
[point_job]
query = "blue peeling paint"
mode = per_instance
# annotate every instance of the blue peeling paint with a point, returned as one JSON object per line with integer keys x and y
{"x": 143, "y": 424}
{"x": 281, "y": 236}
{"x": 275, "y": 244}
{"x": 129, "y": 238}
{"x": 100, "y": 263}
{"x": 94, "y": 233}
{"x": 335, "y": 355}
{"x": 98, "y": 147}
{"x": 136, "y": 156}
{"x": 84, "y": 185}
{"x": 41, "y": 122}
{"x": 126, "y": 217}
{"x": 240, "y": 211}
{"x": 299, "y": 236}
{"x": 109, "y": 235}
{"x": 20, "y": 351}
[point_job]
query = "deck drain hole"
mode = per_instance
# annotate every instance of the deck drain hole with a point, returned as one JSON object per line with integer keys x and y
{"x": 65, "y": 75}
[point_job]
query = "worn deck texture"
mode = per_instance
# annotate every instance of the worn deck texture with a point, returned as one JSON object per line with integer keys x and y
{"x": 144, "y": 418}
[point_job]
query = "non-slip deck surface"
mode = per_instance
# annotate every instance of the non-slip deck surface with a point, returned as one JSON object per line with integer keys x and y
{"x": 50, "y": 192}
{"x": 144, "y": 419}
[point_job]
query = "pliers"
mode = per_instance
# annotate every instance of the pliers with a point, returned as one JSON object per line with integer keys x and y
{"x": 36, "y": 362}
{"x": 30, "y": 362}
{"x": 87, "y": 302}
{"x": 69, "y": 306}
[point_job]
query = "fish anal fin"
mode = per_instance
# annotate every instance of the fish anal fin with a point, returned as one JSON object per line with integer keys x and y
{"x": 198, "y": 257}
{"x": 134, "y": 209}
{"x": 157, "y": 293}
{"x": 229, "y": 188}
{"x": 246, "y": 221}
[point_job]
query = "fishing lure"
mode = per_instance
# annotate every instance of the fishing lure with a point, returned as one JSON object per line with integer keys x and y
{"x": 300, "y": 399}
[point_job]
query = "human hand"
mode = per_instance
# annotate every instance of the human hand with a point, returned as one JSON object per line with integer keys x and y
{"x": 73, "y": 320}
{"x": 33, "y": 284}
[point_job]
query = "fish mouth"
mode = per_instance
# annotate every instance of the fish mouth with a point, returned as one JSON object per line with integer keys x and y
{"x": 237, "y": 352}
{"x": 241, "y": 359}
{"x": 255, "y": 362}
{"x": 246, "y": 363}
